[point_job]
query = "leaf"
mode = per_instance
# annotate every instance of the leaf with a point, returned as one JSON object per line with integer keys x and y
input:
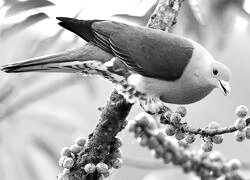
{"x": 19, "y": 26}
{"x": 27, "y": 5}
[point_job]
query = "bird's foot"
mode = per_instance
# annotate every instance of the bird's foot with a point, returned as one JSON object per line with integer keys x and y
{"x": 152, "y": 106}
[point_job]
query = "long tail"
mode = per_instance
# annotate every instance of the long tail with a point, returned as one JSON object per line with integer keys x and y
{"x": 69, "y": 61}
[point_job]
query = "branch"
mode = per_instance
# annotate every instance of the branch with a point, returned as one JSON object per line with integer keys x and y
{"x": 100, "y": 145}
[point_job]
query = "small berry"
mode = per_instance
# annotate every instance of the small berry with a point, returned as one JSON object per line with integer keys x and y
{"x": 102, "y": 167}
{"x": 207, "y": 146}
{"x": 80, "y": 141}
{"x": 217, "y": 139}
{"x": 213, "y": 125}
{"x": 170, "y": 130}
{"x": 161, "y": 137}
{"x": 66, "y": 171}
{"x": 75, "y": 148}
{"x": 124, "y": 123}
{"x": 118, "y": 142}
{"x": 65, "y": 152}
{"x": 241, "y": 111}
{"x": 216, "y": 156}
{"x": 143, "y": 141}
{"x": 187, "y": 166}
{"x": 117, "y": 163}
{"x": 153, "y": 142}
{"x": 131, "y": 126}
{"x": 89, "y": 168}
{"x": 117, "y": 153}
{"x": 167, "y": 115}
{"x": 247, "y": 132}
{"x": 167, "y": 157}
{"x": 234, "y": 164}
{"x": 240, "y": 136}
{"x": 68, "y": 163}
{"x": 175, "y": 118}
{"x": 101, "y": 177}
{"x": 142, "y": 119}
{"x": 61, "y": 160}
{"x": 63, "y": 177}
{"x": 107, "y": 174}
{"x": 190, "y": 138}
{"x": 182, "y": 111}
{"x": 240, "y": 124}
{"x": 179, "y": 135}
{"x": 159, "y": 151}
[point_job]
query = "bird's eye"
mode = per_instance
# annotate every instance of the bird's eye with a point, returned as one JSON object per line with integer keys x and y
{"x": 215, "y": 72}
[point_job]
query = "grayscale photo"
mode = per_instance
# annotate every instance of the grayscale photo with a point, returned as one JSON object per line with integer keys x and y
{"x": 124, "y": 89}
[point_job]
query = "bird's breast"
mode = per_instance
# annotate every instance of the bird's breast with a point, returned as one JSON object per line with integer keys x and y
{"x": 175, "y": 92}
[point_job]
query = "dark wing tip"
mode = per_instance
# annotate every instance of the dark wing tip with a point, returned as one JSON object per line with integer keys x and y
{"x": 63, "y": 18}
{"x": 7, "y": 68}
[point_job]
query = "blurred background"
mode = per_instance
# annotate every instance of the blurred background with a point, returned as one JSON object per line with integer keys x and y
{"x": 42, "y": 112}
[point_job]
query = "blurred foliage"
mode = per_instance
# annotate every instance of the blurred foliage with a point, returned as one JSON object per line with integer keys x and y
{"x": 201, "y": 19}
{"x": 39, "y": 133}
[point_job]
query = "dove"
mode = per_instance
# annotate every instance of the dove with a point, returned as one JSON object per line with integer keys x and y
{"x": 163, "y": 65}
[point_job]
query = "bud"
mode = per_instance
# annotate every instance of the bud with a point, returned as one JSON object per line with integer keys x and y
{"x": 61, "y": 160}
{"x": 213, "y": 125}
{"x": 170, "y": 130}
{"x": 66, "y": 171}
{"x": 190, "y": 138}
{"x": 80, "y": 141}
{"x": 175, "y": 118}
{"x": 117, "y": 163}
{"x": 131, "y": 126}
{"x": 240, "y": 124}
{"x": 179, "y": 135}
{"x": 118, "y": 142}
{"x": 167, "y": 157}
{"x": 241, "y": 111}
{"x": 102, "y": 168}
{"x": 240, "y": 136}
{"x": 182, "y": 111}
{"x": 207, "y": 146}
{"x": 117, "y": 153}
{"x": 247, "y": 132}
{"x": 65, "y": 152}
{"x": 89, "y": 168}
{"x": 234, "y": 164}
{"x": 68, "y": 163}
{"x": 217, "y": 139}
{"x": 75, "y": 148}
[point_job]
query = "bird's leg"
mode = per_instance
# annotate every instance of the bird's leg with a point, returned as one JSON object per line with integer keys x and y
{"x": 151, "y": 105}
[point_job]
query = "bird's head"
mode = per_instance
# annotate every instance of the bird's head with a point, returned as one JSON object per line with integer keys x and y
{"x": 220, "y": 76}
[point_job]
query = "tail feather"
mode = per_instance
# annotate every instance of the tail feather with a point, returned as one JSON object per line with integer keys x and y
{"x": 69, "y": 61}
{"x": 80, "y": 27}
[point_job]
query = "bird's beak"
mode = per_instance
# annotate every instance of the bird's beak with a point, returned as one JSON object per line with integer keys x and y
{"x": 224, "y": 86}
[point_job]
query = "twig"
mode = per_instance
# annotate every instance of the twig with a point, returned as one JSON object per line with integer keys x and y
{"x": 117, "y": 108}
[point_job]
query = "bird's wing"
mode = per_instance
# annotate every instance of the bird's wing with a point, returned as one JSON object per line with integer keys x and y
{"x": 152, "y": 53}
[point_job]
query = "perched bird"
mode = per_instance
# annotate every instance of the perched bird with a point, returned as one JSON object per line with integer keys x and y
{"x": 163, "y": 65}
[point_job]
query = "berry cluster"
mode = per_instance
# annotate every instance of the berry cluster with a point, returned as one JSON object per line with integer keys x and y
{"x": 102, "y": 168}
{"x": 212, "y": 134}
{"x": 205, "y": 165}
{"x": 68, "y": 157}
{"x": 240, "y": 124}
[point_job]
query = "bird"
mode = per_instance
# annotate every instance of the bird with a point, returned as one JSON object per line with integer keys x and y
{"x": 172, "y": 68}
